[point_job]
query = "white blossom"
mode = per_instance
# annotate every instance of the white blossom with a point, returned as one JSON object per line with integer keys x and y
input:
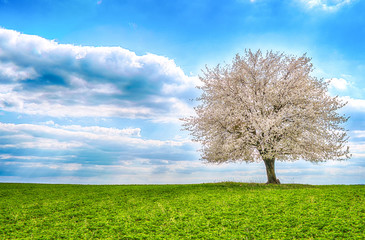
{"x": 267, "y": 108}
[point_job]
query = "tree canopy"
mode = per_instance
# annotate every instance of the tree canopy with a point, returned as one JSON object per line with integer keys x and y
{"x": 267, "y": 107}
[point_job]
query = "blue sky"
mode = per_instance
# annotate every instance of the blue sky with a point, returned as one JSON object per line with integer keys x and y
{"x": 92, "y": 91}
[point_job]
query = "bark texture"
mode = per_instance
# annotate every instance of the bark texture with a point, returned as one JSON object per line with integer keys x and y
{"x": 270, "y": 171}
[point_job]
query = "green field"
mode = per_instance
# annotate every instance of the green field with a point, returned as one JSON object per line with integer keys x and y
{"x": 201, "y": 211}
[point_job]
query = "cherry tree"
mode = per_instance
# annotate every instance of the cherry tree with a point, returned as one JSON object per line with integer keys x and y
{"x": 267, "y": 107}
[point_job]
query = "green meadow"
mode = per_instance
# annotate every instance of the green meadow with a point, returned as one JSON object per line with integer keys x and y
{"x": 198, "y": 211}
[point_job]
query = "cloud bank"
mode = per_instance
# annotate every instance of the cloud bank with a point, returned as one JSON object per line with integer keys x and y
{"x": 53, "y": 85}
{"x": 42, "y": 77}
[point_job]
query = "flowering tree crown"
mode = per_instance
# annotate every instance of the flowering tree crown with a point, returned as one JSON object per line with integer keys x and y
{"x": 267, "y": 107}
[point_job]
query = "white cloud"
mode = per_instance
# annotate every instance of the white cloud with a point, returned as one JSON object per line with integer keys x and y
{"x": 103, "y": 130}
{"x": 58, "y": 150}
{"x": 43, "y": 77}
{"x": 49, "y": 122}
{"x": 357, "y": 147}
{"x": 178, "y": 108}
{"x": 338, "y": 83}
{"x": 173, "y": 88}
{"x": 354, "y": 105}
{"x": 14, "y": 104}
{"x": 326, "y": 5}
{"x": 69, "y": 130}
{"x": 43, "y": 143}
{"x": 53, "y": 166}
{"x": 75, "y": 136}
{"x": 48, "y": 158}
{"x": 359, "y": 134}
{"x": 11, "y": 72}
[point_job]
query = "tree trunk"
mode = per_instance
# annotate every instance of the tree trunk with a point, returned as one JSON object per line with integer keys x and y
{"x": 270, "y": 171}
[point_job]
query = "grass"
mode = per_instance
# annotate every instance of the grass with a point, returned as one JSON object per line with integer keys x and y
{"x": 201, "y": 211}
